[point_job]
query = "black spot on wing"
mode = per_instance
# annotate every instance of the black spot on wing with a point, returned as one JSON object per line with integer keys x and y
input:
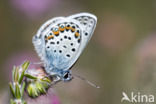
{"x": 79, "y": 40}
{"x": 52, "y": 42}
{"x": 86, "y": 33}
{"x": 69, "y": 38}
{"x": 58, "y": 42}
{"x": 68, "y": 55}
{"x": 73, "y": 49}
{"x": 65, "y": 46}
{"x": 71, "y": 44}
{"x": 65, "y": 37}
{"x": 60, "y": 51}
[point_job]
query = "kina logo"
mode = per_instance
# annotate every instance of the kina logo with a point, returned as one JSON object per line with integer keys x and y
{"x": 137, "y": 98}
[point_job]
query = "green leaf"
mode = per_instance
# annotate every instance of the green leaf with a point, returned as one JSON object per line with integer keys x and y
{"x": 24, "y": 102}
{"x": 46, "y": 79}
{"x": 18, "y": 85}
{"x": 13, "y": 73}
{"x": 16, "y": 74}
{"x": 40, "y": 87}
{"x": 21, "y": 77}
{"x": 23, "y": 87}
{"x": 12, "y": 102}
{"x": 17, "y": 91}
{"x": 32, "y": 91}
{"x": 30, "y": 76}
{"x": 25, "y": 65}
{"x": 11, "y": 89}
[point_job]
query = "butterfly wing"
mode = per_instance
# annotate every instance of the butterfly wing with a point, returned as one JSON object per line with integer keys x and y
{"x": 87, "y": 22}
{"x": 60, "y": 43}
{"x": 37, "y": 40}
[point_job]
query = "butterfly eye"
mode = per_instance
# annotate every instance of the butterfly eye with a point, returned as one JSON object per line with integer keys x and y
{"x": 65, "y": 76}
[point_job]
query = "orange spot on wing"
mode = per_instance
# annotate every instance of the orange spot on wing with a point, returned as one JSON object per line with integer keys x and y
{"x": 77, "y": 34}
{"x": 68, "y": 27}
{"x": 56, "y": 33}
{"x": 73, "y": 29}
{"x": 49, "y": 37}
{"x": 61, "y": 29}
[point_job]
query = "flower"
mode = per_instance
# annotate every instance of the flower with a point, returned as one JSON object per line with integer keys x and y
{"x": 38, "y": 82}
{"x": 50, "y": 98}
{"x": 18, "y": 58}
{"x": 55, "y": 100}
{"x": 33, "y": 8}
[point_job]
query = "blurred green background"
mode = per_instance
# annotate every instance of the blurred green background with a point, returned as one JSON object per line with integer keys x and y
{"x": 121, "y": 55}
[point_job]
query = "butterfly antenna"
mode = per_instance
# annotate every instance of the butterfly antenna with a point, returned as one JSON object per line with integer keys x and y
{"x": 87, "y": 81}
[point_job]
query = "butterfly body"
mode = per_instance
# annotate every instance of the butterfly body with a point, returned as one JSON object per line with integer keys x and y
{"x": 60, "y": 41}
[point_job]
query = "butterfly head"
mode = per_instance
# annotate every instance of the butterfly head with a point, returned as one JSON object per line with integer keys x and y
{"x": 66, "y": 76}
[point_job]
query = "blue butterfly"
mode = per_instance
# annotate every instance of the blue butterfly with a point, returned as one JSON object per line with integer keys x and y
{"x": 60, "y": 41}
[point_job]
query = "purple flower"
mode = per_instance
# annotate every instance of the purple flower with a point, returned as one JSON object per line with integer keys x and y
{"x": 33, "y": 8}
{"x": 55, "y": 100}
{"x": 50, "y": 98}
{"x": 18, "y": 58}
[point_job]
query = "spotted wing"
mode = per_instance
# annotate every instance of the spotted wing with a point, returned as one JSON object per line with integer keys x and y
{"x": 61, "y": 43}
{"x": 87, "y": 22}
{"x": 38, "y": 41}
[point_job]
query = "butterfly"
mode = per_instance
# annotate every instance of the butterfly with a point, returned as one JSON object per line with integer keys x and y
{"x": 60, "y": 41}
